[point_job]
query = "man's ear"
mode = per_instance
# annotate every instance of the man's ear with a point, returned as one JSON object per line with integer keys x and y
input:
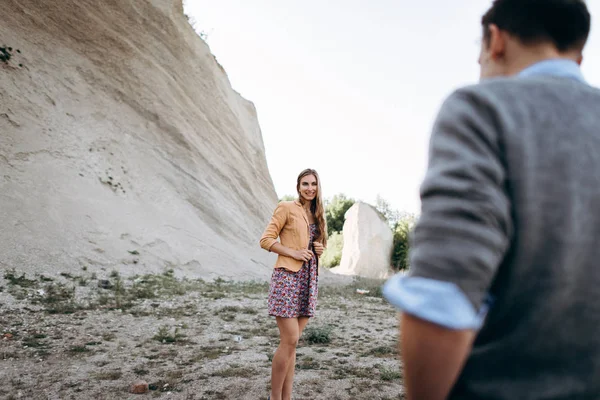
{"x": 497, "y": 42}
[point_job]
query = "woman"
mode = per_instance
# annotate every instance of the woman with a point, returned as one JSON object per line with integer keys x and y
{"x": 301, "y": 228}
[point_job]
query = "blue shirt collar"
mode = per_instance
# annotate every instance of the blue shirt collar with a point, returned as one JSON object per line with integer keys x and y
{"x": 555, "y": 67}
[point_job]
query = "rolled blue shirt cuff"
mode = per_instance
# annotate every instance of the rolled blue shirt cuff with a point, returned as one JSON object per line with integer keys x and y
{"x": 438, "y": 302}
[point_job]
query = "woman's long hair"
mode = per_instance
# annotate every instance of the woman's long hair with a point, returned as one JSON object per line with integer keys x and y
{"x": 316, "y": 206}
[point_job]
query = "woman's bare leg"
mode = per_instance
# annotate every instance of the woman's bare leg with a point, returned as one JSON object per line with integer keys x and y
{"x": 285, "y": 355}
{"x": 289, "y": 378}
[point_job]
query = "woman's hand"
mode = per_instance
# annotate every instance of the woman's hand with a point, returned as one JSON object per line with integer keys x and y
{"x": 319, "y": 249}
{"x": 302, "y": 255}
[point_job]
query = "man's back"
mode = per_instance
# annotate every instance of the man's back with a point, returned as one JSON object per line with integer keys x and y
{"x": 541, "y": 338}
{"x": 502, "y": 298}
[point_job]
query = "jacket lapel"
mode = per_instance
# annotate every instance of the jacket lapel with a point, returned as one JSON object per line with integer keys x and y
{"x": 303, "y": 212}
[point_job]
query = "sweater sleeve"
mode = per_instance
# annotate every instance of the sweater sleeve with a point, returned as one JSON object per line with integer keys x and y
{"x": 465, "y": 226}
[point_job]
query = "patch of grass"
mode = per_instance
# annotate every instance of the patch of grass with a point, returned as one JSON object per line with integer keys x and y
{"x": 349, "y": 372}
{"x": 164, "y": 336}
{"x": 343, "y": 354}
{"x": 318, "y": 335}
{"x": 18, "y": 292}
{"x": 257, "y": 331}
{"x": 155, "y": 286}
{"x": 33, "y": 342}
{"x": 116, "y": 295}
{"x": 119, "y": 290}
{"x": 238, "y": 310}
{"x": 229, "y": 313}
{"x": 172, "y": 375}
{"x": 214, "y": 295}
{"x": 221, "y": 288}
{"x": 380, "y": 351}
{"x": 13, "y": 279}
{"x": 308, "y": 363}
{"x": 185, "y": 310}
{"x": 226, "y": 316}
{"x": 210, "y": 353}
{"x": 388, "y": 374}
{"x": 108, "y": 375}
{"x": 4, "y": 355}
{"x": 236, "y": 372}
{"x": 141, "y": 371}
{"x": 215, "y": 394}
{"x": 58, "y": 299}
{"x": 78, "y": 349}
{"x": 42, "y": 353}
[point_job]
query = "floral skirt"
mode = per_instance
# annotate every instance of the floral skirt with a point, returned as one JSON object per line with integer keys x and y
{"x": 294, "y": 294}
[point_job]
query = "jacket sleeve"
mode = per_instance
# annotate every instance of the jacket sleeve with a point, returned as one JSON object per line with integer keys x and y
{"x": 271, "y": 233}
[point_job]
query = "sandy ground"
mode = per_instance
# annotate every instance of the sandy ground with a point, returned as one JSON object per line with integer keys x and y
{"x": 90, "y": 337}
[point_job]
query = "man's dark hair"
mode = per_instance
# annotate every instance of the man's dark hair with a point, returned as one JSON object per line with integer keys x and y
{"x": 566, "y": 23}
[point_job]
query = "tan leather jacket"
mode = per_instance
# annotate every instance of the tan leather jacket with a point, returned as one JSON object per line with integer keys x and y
{"x": 290, "y": 224}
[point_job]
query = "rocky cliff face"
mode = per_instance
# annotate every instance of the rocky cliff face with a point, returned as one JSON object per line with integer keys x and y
{"x": 123, "y": 145}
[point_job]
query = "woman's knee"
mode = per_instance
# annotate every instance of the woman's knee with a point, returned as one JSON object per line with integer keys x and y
{"x": 290, "y": 340}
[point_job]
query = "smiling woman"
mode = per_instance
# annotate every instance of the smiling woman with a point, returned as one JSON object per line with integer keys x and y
{"x": 302, "y": 232}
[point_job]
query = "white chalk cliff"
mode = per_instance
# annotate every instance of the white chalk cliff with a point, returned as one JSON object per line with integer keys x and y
{"x": 123, "y": 145}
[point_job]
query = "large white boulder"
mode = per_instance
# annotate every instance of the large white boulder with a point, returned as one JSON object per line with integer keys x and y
{"x": 368, "y": 242}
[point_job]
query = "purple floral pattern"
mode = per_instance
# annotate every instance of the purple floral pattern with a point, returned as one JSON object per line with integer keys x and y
{"x": 294, "y": 294}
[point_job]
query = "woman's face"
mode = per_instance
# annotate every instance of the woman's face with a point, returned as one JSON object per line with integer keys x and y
{"x": 308, "y": 187}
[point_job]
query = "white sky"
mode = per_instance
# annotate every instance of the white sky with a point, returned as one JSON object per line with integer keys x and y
{"x": 351, "y": 87}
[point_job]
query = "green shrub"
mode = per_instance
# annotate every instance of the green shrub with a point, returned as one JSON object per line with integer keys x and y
{"x": 400, "y": 248}
{"x": 333, "y": 254}
{"x": 318, "y": 335}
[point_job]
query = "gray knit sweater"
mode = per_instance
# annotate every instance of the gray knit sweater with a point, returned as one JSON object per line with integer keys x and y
{"x": 511, "y": 207}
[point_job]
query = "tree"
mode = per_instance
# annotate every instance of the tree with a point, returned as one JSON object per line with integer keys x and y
{"x": 388, "y": 212}
{"x": 335, "y": 209}
{"x": 401, "y": 224}
{"x": 333, "y": 254}
{"x": 401, "y": 246}
{"x": 287, "y": 197}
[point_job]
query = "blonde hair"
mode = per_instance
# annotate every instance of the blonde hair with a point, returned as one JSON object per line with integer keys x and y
{"x": 316, "y": 206}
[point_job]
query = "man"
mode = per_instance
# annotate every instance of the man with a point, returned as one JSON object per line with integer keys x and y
{"x": 503, "y": 297}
